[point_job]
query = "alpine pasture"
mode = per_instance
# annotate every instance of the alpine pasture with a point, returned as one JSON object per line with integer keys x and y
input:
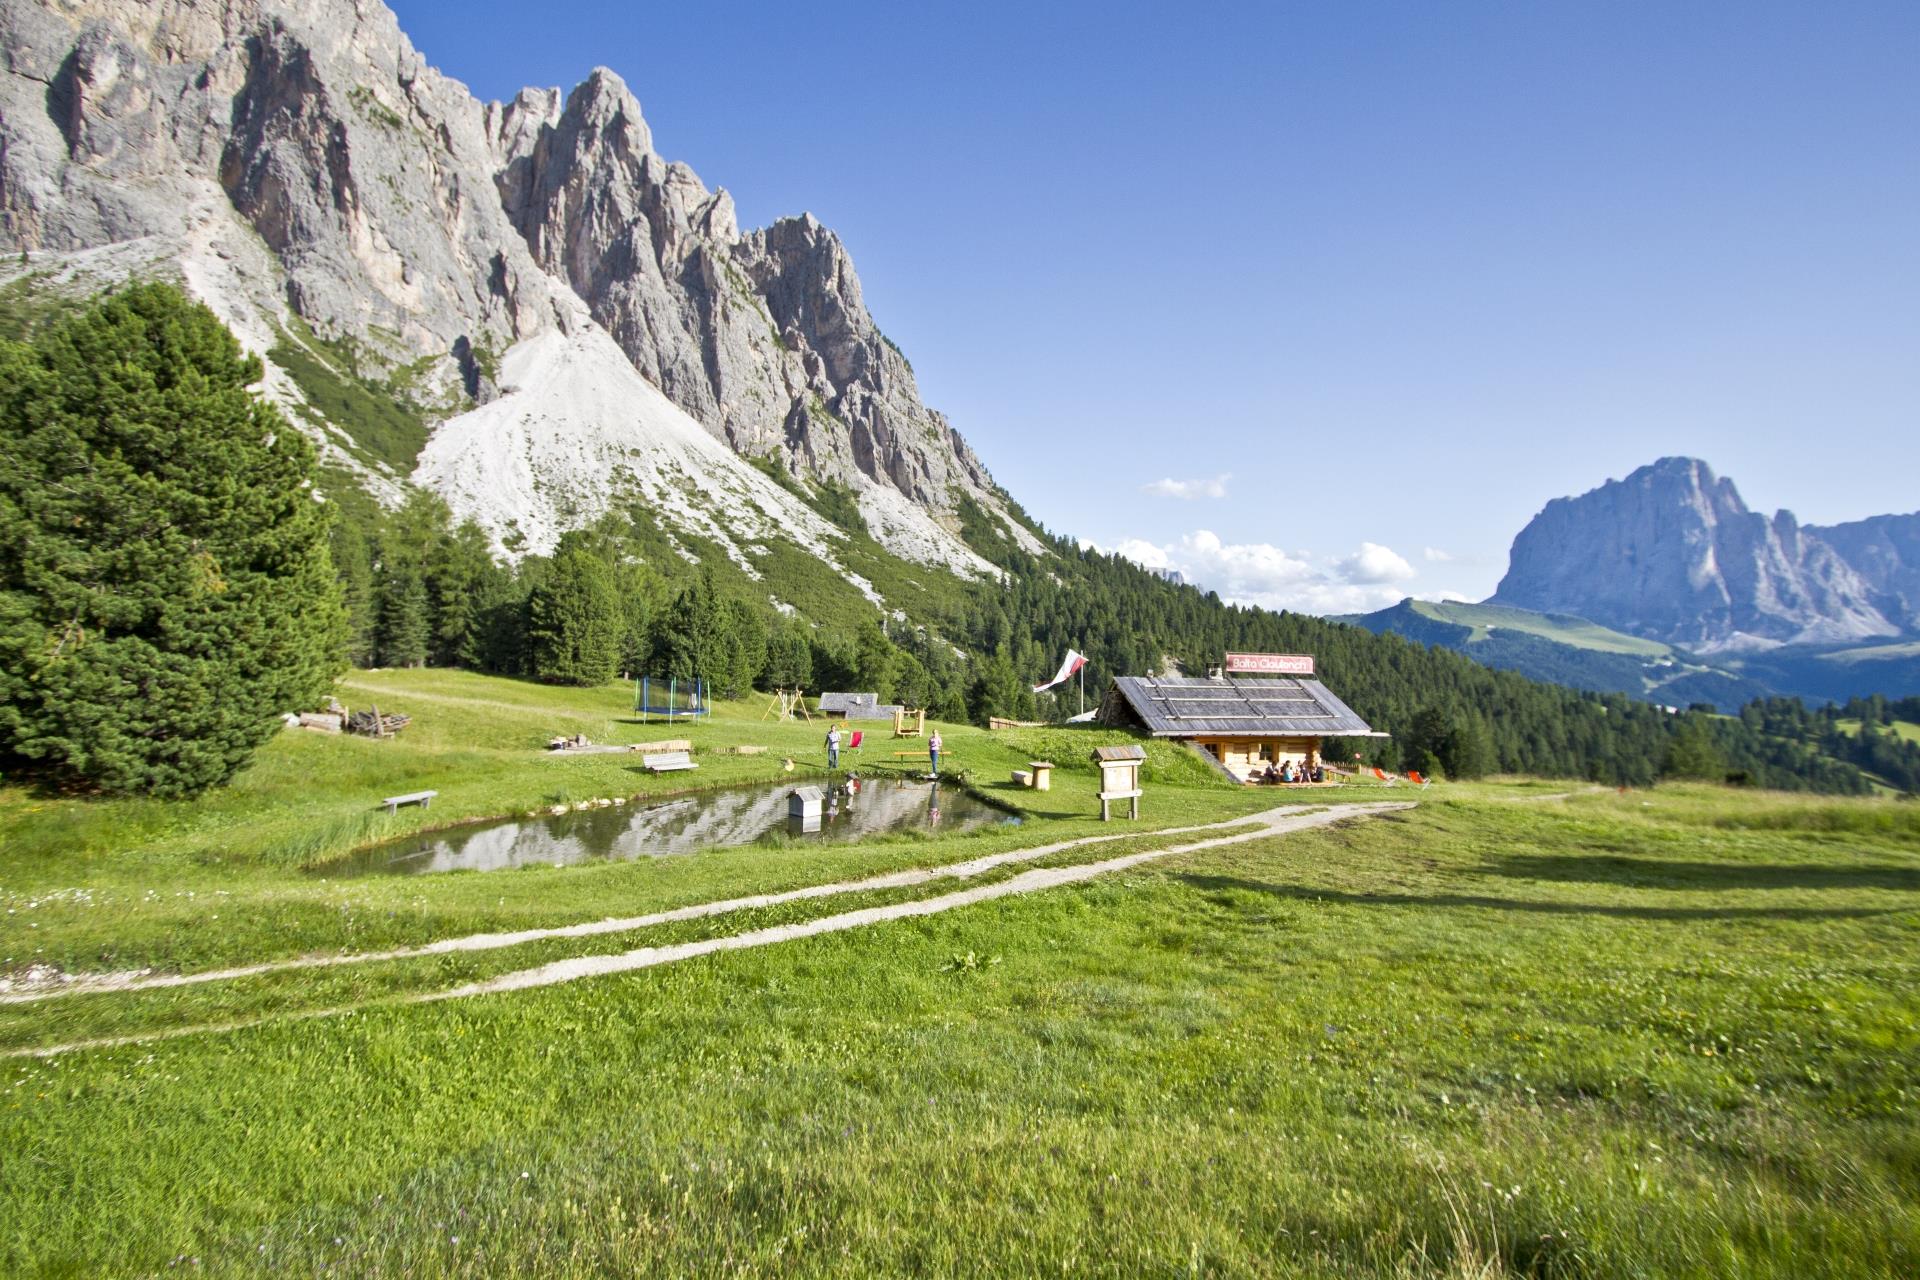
{"x": 1521, "y": 1028}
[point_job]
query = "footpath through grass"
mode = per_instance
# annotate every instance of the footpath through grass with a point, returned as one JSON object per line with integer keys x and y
{"x": 1669, "y": 1033}
{"x": 1528, "y": 1029}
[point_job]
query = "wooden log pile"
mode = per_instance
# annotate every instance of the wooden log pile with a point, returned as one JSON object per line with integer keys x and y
{"x": 373, "y": 724}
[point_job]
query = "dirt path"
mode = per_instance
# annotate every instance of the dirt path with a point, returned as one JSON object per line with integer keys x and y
{"x": 136, "y": 980}
{"x": 1271, "y": 823}
{"x": 454, "y": 700}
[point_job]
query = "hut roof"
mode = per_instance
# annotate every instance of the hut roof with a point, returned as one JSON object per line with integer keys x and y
{"x": 1185, "y": 706}
{"x": 1128, "y": 752}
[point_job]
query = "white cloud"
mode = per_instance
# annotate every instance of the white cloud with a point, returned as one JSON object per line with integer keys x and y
{"x": 1259, "y": 573}
{"x": 1189, "y": 490}
{"x": 1374, "y": 564}
{"x": 1434, "y": 555}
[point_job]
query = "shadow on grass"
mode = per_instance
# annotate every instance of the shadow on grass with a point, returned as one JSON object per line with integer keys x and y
{"x": 1660, "y": 873}
{"x": 1302, "y": 893}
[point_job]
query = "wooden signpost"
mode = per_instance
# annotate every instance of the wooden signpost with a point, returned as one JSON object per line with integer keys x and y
{"x": 1119, "y": 778}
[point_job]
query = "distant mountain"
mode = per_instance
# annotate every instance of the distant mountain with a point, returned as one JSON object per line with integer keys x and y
{"x": 1885, "y": 552}
{"x": 1671, "y": 553}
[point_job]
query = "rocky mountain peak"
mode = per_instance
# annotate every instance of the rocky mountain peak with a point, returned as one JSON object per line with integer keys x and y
{"x": 1673, "y": 553}
{"x": 299, "y": 166}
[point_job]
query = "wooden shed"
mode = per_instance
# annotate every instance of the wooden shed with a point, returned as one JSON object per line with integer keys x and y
{"x": 1244, "y": 723}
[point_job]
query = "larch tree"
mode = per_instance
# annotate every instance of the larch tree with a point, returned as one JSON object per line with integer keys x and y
{"x": 165, "y": 584}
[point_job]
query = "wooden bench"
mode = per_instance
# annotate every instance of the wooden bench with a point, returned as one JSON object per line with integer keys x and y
{"x": 668, "y": 762}
{"x": 421, "y": 798}
{"x": 1022, "y": 778}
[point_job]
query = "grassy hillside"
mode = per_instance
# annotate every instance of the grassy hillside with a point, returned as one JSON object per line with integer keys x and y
{"x": 1358, "y": 1051}
{"x": 1905, "y": 730}
{"x": 1485, "y": 619}
{"x": 480, "y": 741}
{"x": 1826, "y": 673}
{"x": 1566, "y": 650}
{"x": 1585, "y": 655}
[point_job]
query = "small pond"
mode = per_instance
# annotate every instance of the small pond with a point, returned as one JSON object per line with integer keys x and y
{"x": 680, "y": 824}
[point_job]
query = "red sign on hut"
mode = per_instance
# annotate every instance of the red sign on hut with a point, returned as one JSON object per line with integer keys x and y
{"x": 1270, "y": 664}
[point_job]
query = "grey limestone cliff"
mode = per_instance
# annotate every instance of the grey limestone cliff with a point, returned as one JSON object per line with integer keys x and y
{"x": 764, "y": 337}
{"x": 1672, "y": 553}
{"x": 298, "y": 165}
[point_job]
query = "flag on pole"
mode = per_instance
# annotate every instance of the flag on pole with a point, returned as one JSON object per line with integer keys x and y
{"x": 1075, "y": 661}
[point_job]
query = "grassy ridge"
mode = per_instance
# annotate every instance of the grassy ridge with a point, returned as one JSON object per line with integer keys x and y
{"x": 1560, "y": 628}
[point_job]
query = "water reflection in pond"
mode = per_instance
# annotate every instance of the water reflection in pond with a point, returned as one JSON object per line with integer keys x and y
{"x": 682, "y": 824}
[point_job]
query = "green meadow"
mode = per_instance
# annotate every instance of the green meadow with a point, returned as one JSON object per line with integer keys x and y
{"x": 1525, "y": 1028}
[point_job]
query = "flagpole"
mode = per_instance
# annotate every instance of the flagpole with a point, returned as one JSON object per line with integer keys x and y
{"x": 1083, "y": 688}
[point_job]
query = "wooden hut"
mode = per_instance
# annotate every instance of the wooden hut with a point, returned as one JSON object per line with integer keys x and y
{"x": 1243, "y": 723}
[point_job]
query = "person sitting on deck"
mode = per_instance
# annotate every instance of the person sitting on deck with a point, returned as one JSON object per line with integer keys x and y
{"x": 1286, "y": 772}
{"x": 1267, "y": 776}
{"x": 1319, "y": 772}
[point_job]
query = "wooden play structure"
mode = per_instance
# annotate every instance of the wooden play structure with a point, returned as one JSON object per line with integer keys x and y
{"x": 1119, "y": 778}
{"x": 785, "y": 703}
{"x": 901, "y": 726}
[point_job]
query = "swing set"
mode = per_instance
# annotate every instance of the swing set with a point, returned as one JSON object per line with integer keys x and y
{"x": 683, "y": 702}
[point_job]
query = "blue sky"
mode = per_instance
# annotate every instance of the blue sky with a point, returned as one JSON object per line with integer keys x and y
{"x": 1321, "y": 303}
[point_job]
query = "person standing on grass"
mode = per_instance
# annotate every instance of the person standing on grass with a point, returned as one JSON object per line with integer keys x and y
{"x": 833, "y": 747}
{"x": 933, "y": 752}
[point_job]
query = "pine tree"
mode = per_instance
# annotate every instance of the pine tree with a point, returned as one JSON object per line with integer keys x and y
{"x": 405, "y": 628}
{"x": 996, "y": 691}
{"x": 1692, "y": 753}
{"x": 749, "y": 636}
{"x": 694, "y": 641}
{"x": 1468, "y": 753}
{"x": 1428, "y": 741}
{"x": 165, "y": 584}
{"x": 789, "y": 657}
{"x": 875, "y": 661}
{"x": 573, "y": 618}
{"x": 637, "y": 587}
{"x": 353, "y": 565}
{"x": 461, "y": 574}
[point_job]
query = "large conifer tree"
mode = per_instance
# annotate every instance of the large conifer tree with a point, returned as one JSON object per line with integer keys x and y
{"x": 165, "y": 586}
{"x": 573, "y": 617}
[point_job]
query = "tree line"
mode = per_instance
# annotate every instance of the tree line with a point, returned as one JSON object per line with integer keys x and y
{"x": 176, "y": 569}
